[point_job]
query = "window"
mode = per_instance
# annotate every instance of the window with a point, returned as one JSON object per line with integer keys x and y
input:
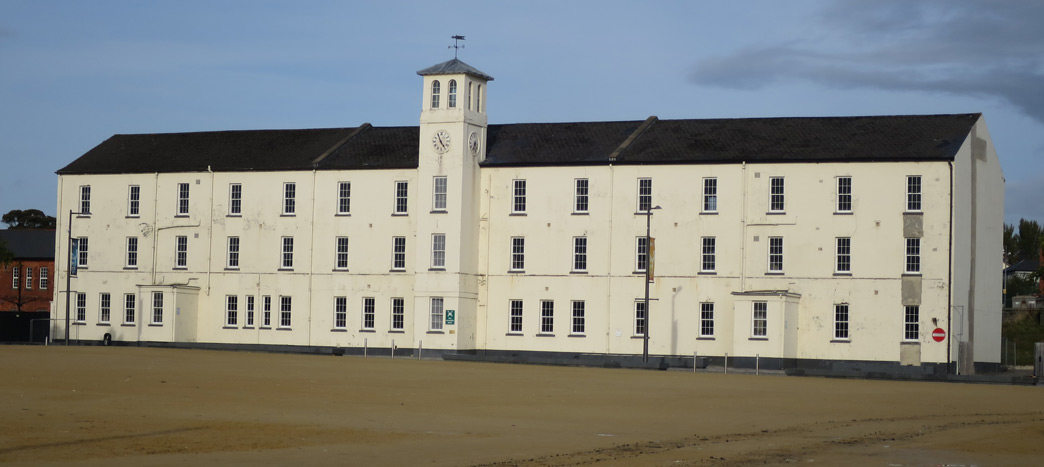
{"x": 844, "y": 194}
{"x": 775, "y": 254}
{"x": 518, "y": 198}
{"x": 435, "y": 91}
{"x": 85, "y": 200}
{"x": 344, "y": 198}
{"x": 402, "y": 190}
{"x": 516, "y": 316}
{"x": 250, "y": 311}
{"x": 81, "y": 308}
{"x": 183, "y": 199}
{"x": 639, "y": 318}
{"x": 129, "y": 302}
{"x": 28, "y": 278}
{"x": 284, "y": 311}
{"x": 547, "y": 317}
{"x": 644, "y": 194}
{"x": 708, "y": 261}
{"x": 398, "y": 314}
{"x": 578, "y": 317}
{"x": 157, "y": 307}
{"x": 844, "y": 254}
{"x": 132, "y": 252}
{"x": 81, "y": 244}
{"x": 233, "y": 253}
{"x": 579, "y": 254}
{"x": 913, "y": 255}
{"x": 16, "y": 279}
{"x": 710, "y": 195}
{"x": 289, "y": 198}
{"x": 340, "y": 313}
{"x": 342, "y": 253}
{"x": 44, "y": 279}
{"x": 913, "y": 193}
{"x": 439, "y": 194}
{"x": 518, "y": 253}
{"x": 398, "y": 253}
{"x": 641, "y": 254}
{"x": 776, "y": 199}
{"x": 436, "y": 314}
{"x": 438, "y": 251}
{"x": 841, "y": 321}
{"x": 760, "y": 321}
{"x": 104, "y": 308}
{"x": 478, "y": 98}
{"x": 452, "y": 93}
{"x": 468, "y": 97}
{"x": 235, "y": 199}
{"x": 266, "y": 311}
{"x": 580, "y": 203}
{"x": 180, "y": 252}
{"x": 912, "y": 323}
{"x": 288, "y": 253}
{"x": 707, "y": 319}
{"x": 231, "y": 310}
{"x": 133, "y": 200}
{"x": 369, "y": 314}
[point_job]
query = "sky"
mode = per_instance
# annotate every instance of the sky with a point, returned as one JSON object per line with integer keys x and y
{"x": 73, "y": 73}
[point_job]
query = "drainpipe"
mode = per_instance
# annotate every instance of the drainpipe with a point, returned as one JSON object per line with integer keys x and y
{"x": 949, "y": 278}
{"x": 743, "y": 221}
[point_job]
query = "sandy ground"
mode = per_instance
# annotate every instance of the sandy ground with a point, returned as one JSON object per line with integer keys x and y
{"x": 131, "y": 406}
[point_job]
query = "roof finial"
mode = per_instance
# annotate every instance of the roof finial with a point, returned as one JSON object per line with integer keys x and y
{"x": 456, "y": 44}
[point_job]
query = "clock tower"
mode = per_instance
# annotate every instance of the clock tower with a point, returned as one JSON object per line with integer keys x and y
{"x": 452, "y": 144}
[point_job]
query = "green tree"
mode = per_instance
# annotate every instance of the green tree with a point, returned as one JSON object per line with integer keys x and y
{"x": 1029, "y": 239}
{"x": 6, "y": 255}
{"x": 28, "y": 219}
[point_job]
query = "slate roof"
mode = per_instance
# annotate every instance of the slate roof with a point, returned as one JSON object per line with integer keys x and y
{"x": 29, "y": 243}
{"x": 452, "y": 67}
{"x": 1027, "y": 265}
{"x": 652, "y": 141}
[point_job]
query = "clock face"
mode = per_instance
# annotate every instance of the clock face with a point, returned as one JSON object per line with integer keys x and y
{"x": 441, "y": 141}
{"x": 473, "y": 143}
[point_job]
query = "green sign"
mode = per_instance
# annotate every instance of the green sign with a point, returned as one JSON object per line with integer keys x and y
{"x": 451, "y": 316}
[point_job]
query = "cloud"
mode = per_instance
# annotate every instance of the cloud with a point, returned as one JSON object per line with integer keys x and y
{"x": 1022, "y": 199}
{"x": 993, "y": 50}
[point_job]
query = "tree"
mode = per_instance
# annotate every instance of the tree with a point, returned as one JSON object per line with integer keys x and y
{"x": 28, "y": 219}
{"x": 1024, "y": 243}
{"x": 6, "y": 255}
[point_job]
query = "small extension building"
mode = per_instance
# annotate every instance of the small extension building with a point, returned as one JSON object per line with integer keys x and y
{"x": 26, "y": 284}
{"x": 839, "y": 242}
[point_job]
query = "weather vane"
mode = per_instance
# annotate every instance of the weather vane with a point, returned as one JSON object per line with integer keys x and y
{"x": 456, "y": 44}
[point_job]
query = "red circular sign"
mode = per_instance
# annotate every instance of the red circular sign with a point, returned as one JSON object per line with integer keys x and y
{"x": 938, "y": 334}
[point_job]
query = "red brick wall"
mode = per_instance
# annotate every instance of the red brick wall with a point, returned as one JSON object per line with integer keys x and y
{"x": 33, "y": 298}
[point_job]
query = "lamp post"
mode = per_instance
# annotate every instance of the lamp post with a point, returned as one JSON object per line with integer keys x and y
{"x": 648, "y": 271}
{"x": 68, "y": 276}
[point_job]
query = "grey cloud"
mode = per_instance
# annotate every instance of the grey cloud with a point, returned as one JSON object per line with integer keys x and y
{"x": 1024, "y": 199}
{"x": 991, "y": 49}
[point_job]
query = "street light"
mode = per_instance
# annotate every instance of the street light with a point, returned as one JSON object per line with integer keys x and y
{"x": 68, "y": 276}
{"x": 648, "y": 270}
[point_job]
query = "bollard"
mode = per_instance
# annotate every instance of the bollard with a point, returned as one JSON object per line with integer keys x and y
{"x": 694, "y": 362}
{"x": 420, "y": 348}
{"x": 393, "y": 348}
{"x": 726, "y": 363}
{"x": 365, "y": 344}
{"x": 757, "y": 364}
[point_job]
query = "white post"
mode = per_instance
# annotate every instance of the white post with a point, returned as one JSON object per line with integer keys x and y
{"x": 420, "y": 349}
{"x": 365, "y": 343}
{"x": 694, "y": 362}
{"x": 726, "y": 363}
{"x": 393, "y": 348}
{"x": 757, "y": 364}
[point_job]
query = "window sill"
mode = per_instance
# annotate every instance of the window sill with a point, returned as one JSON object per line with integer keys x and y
{"x": 288, "y": 214}
{"x": 230, "y": 326}
{"x": 708, "y": 213}
{"x": 340, "y": 269}
{"x": 343, "y": 214}
{"x": 439, "y": 211}
{"x": 774, "y": 273}
{"x": 705, "y": 338}
{"x": 104, "y": 323}
{"x": 516, "y": 271}
{"x": 397, "y": 270}
{"x": 156, "y": 325}
{"x": 775, "y": 213}
{"x": 338, "y": 330}
{"x": 545, "y": 334}
{"x": 83, "y": 216}
{"x": 179, "y": 268}
{"x": 129, "y": 268}
{"x": 129, "y": 325}
{"x": 233, "y": 215}
{"x": 911, "y": 274}
{"x": 397, "y": 331}
{"x": 581, "y": 213}
{"x": 518, "y": 334}
{"x": 400, "y": 214}
{"x": 285, "y": 269}
{"x": 368, "y": 331}
{"x": 840, "y": 341}
{"x": 522, "y": 214}
{"x": 436, "y": 332}
{"x": 231, "y": 269}
{"x": 281, "y": 328}
{"x": 181, "y": 216}
{"x": 913, "y": 213}
{"x": 707, "y": 273}
{"x": 842, "y": 274}
{"x": 842, "y": 213}
{"x": 265, "y": 327}
{"x": 79, "y": 323}
{"x": 578, "y": 272}
{"x": 638, "y": 272}
{"x": 639, "y": 336}
{"x": 437, "y": 269}
{"x": 759, "y": 338}
{"x": 577, "y": 335}
{"x": 132, "y": 217}
{"x": 248, "y": 327}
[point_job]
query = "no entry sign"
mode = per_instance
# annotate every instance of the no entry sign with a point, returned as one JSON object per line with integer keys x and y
{"x": 938, "y": 334}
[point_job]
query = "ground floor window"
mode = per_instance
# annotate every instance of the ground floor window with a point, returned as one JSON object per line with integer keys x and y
{"x": 639, "y": 318}
{"x": 436, "y": 313}
{"x": 285, "y": 307}
{"x": 707, "y": 320}
{"x": 340, "y": 312}
{"x": 912, "y": 323}
{"x": 157, "y": 307}
{"x": 547, "y": 317}
{"x": 760, "y": 320}
{"x": 369, "y": 313}
{"x": 266, "y": 311}
{"x": 129, "y": 302}
{"x": 578, "y": 317}
{"x": 841, "y": 321}
{"x": 231, "y": 310}
{"x": 516, "y": 316}
{"x": 104, "y": 308}
{"x": 398, "y": 315}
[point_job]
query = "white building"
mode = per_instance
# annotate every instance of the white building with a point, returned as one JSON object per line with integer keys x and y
{"x": 808, "y": 242}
